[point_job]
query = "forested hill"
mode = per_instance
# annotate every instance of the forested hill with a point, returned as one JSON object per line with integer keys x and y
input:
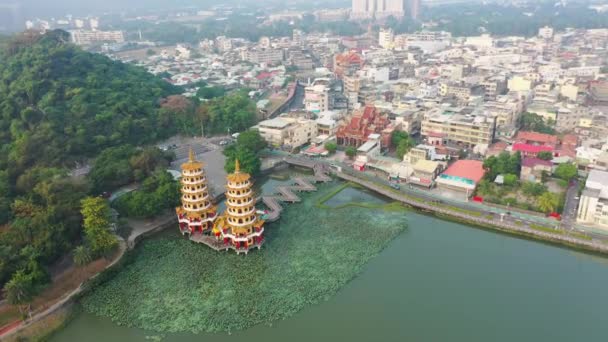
{"x": 58, "y": 102}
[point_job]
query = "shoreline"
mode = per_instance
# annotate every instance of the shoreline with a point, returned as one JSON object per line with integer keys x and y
{"x": 478, "y": 222}
{"x": 481, "y": 221}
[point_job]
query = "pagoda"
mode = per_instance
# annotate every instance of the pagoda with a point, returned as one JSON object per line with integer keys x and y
{"x": 196, "y": 214}
{"x": 239, "y": 227}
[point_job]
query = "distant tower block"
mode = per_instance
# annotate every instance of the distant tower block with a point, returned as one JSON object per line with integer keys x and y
{"x": 196, "y": 214}
{"x": 415, "y": 9}
{"x": 240, "y": 226}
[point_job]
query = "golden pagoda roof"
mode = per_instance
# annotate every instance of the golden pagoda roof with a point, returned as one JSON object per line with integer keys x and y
{"x": 192, "y": 163}
{"x": 237, "y": 176}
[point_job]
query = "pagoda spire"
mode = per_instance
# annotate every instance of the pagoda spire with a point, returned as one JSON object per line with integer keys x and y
{"x": 237, "y": 166}
{"x": 191, "y": 155}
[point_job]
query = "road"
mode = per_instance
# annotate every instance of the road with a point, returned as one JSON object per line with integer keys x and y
{"x": 509, "y": 217}
{"x": 298, "y": 99}
{"x": 209, "y": 152}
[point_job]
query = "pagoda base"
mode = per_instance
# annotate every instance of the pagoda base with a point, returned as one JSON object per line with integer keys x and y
{"x": 223, "y": 245}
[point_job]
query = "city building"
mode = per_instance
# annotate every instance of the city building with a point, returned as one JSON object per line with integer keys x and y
{"x": 385, "y": 38}
{"x": 545, "y": 32}
{"x": 347, "y": 64}
{"x": 196, "y": 214}
{"x": 454, "y": 126}
{"x": 84, "y": 37}
{"x": 288, "y": 133}
{"x": 316, "y": 98}
{"x": 425, "y": 172}
{"x": 462, "y": 176}
{"x": 593, "y": 205}
{"x": 367, "y": 9}
{"x": 240, "y": 227}
{"x": 414, "y": 9}
{"x": 363, "y": 122}
{"x": 532, "y": 169}
{"x": 266, "y": 56}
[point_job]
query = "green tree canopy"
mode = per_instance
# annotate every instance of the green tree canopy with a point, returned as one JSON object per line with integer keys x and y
{"x": 351, "y": 152}
{"x": 331, "y": 147}
{"x": 548, "y": 202}
{"x": 566, "y": 171}
{"x": 96, "y": 215}
{"x": 545, "y": 155}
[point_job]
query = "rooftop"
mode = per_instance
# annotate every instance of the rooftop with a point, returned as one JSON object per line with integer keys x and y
{"x": 532, "y": 162}
{"x": 428, "y": 166}
{"x": 275, "y": 123}
{"x": 467, "y": 169}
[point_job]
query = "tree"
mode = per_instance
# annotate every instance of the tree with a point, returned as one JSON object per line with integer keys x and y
{"x": 404, "y": 147}
{"x": 545, "y": 155}
{"x": 96, "y": 214}
{"x": 397, "y": 136}
{"x": 157, "y": 193}
{"x": 484, "y": 187}
{"x": 351, "y": 152}
{"x": 548, "y": 202}
{"x": 510, "y": 179}
{"x": 252, "y": 140}
{"x": 331, "y": 147}
{"x": 533, "y": 189}
{"x": 249, "y": 160}
{"x": 566, "y": 171}
{"x": 20, "y": 290}
{"x": 82, "y": 255}
{"x": 536, "y": 123}
{"x": 210, "y": 92}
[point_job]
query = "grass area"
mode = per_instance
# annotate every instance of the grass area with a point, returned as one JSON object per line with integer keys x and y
{"x": 43, "y": 329}
{"x": 580, "y": 236}
{"x": 545, "y": 229}
{"x": 63, "y": 284}
{"x": 8, "y": 314}
{"x": 459, "y": 210}
{"x": 173, "y": 285}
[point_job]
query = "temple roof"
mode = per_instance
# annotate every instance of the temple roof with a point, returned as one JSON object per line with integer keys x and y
{"x": 192, "y": 163}
{"x": 237, "y": 176}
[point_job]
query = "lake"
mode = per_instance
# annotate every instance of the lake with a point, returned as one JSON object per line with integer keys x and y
{"x": 436, "y": 281}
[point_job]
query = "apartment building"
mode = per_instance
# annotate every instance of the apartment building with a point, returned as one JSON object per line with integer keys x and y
{"x": 85, "y": 37}
{"x": 593, "y": 206}
{"x": 455, "y": 126}
{"x": 316, "y": 98}
{"x": 286, "y": 132}
{"x": 267, "y": 56}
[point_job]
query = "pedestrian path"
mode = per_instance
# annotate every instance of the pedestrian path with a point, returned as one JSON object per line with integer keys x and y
{"x": 288, "y": 193}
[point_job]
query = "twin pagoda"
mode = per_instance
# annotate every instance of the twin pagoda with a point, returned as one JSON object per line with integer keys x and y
{"x": 239, "y": 227}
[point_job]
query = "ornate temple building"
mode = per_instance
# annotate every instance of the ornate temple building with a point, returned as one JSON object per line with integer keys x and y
{"x": 196, "y": 214}
{"x": 363, "y": 122}
{"x": 239, "y": 227}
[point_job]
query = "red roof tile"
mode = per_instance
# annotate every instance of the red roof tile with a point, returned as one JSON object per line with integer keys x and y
{"x": 469, "y": 169}
{"x": 536, "y": 137}
{"x": 532, "y": 162}
{"x": 528, "y": 148}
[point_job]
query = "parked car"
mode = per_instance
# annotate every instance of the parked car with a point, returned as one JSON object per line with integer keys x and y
{"x": 395, "y": 186}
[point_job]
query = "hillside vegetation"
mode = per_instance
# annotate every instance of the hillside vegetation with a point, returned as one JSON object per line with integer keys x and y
{"x": 59, "y": 105}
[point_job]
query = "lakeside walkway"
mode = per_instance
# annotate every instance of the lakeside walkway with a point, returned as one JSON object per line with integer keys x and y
{"x": 486, "y": 217}
{"x": 503, "y": 225}
{"x": 287, "y": 193}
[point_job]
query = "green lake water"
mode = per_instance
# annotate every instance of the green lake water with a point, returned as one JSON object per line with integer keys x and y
{"x": 436, "y": 281}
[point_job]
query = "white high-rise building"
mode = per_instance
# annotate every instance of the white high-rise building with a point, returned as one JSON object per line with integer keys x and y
{"x": 545, "y": 32}
{"x": 386, "y": 38}
{"x": 362, "y": 9}
{"x": 94, "y": 23}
